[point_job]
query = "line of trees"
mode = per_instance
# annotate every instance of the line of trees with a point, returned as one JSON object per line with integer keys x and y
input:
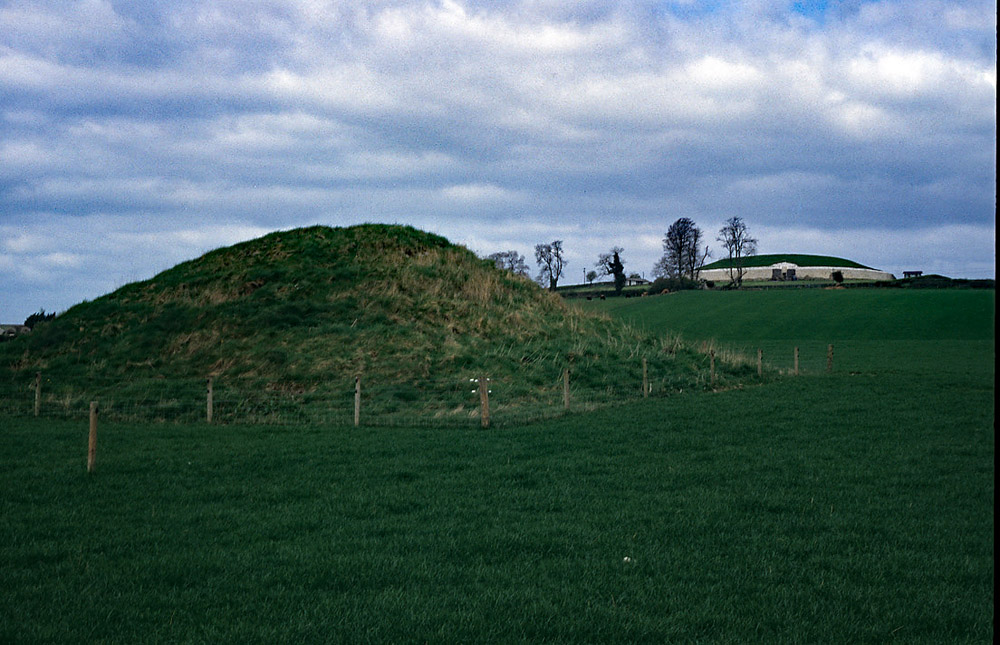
{"x": 510, "y": 261}
{"x": 684, "y": 253}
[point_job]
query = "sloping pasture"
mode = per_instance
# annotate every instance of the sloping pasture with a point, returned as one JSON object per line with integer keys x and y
{"x": 886, "y": 331}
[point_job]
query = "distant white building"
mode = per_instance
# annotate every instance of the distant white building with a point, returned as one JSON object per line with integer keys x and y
{"x": 9, "y": 331}
{"x": 780, "y": 267}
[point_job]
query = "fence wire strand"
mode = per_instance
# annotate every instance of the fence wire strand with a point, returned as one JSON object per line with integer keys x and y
{"x": 428, "y": 401}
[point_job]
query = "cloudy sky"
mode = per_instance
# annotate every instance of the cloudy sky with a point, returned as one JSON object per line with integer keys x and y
{"x": 135, "y": 134}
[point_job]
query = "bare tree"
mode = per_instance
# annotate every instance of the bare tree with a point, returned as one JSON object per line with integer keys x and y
{"x": 611, "y": 264}
{"x": 549, "y": 258}
{"x": 509, "y": 261}
{"x": 662, "y": 268}
{"x": 699, "y": 261}
{"x": 682, "y": 253}
{"x": 735, "y": 238}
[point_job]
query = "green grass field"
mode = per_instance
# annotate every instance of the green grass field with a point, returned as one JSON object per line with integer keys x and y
{"x": 883, "y": 331}
{"x": 816, "y": 314}
{"x": 850, "y": 507}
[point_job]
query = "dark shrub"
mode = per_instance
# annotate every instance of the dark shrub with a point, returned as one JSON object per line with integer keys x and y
{"x": 38, "y": 317}
{"x": 672, "y": 284}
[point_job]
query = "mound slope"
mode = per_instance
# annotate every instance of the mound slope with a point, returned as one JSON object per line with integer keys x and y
{"x": 307, "y": 301}
{"x": 307, "y": 309}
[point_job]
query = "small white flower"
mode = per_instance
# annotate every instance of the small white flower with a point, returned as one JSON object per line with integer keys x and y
{"x": 627, "y": 559}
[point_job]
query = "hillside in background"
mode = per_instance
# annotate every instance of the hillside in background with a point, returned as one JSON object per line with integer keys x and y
{"x": 307, "y": 309}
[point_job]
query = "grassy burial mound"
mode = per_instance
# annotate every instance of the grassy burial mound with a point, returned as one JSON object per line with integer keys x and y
{"x": 799, "y": 259}
{"x": 792, "y": 267}
{"x": 300, "y": 313}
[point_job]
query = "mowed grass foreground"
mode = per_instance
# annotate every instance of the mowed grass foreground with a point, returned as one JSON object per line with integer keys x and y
{"x": 851, "y": 507}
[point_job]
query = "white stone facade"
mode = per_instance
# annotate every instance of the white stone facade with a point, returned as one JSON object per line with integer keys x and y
{"x": 801, "y": 273}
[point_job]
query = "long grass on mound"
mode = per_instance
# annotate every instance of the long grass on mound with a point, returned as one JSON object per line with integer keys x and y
{"x": 286, "y": 323}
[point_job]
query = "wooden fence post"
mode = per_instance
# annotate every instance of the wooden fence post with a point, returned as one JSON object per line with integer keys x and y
{"x": 829, "y": 357}
{"x": 760, "y": 363}
{"x": 92, "y": 442}
{"x": 209, "y": 400}
{"x": 484, "y": 401}
{"x": 38, "y": 393}
{"x": 645, "y": 378}
{"x": 711, "y": 354}
{"x": 566, "y": 388}
{"x": 357, "y": 401}
{"x": 796, "y": 354}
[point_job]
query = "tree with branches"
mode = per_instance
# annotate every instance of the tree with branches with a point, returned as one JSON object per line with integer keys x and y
{"x": 739, "y": 245}
{"x": 509, "y": 261}
{"x": 549, "y": 258}
{"x": 682, "y": 252}
{"x": 611, "y": 264}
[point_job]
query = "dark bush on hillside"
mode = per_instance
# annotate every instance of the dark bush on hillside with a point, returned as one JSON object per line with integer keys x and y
{"x": 672, "y": 284}
{"x": 38, "y": 317}
{"x": 837, "y": 276}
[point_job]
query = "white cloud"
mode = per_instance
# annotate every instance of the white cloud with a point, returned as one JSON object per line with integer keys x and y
{"x": 61, "y": 28}
{"x": 504, "y": 125}
{"x": 61, "y": 260}
{"x": 191, "y": 240}
{"x": 721, "y": 75}
{"x": 912, "y": 73}
{"x": 478, "y": 192}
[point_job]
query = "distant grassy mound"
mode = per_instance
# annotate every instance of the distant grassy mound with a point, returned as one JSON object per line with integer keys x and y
{"x": 306, "y": 310}
{"x": 799, "y": 259}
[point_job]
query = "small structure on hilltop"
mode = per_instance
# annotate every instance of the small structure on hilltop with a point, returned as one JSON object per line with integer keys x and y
{"x": 787, "y": 267}
{"x": 912, "y": 274}
{"x": 10, "y": 331}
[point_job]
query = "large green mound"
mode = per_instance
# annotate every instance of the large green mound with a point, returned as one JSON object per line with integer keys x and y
{"x": 306, "y": 310}
{"x": 800, "y": 259}
{"x": 301, "y": 304}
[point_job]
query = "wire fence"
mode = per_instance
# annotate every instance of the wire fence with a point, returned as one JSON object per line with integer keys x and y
{"x": 428, "y": 401}
{"x": 454, "y": 400}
